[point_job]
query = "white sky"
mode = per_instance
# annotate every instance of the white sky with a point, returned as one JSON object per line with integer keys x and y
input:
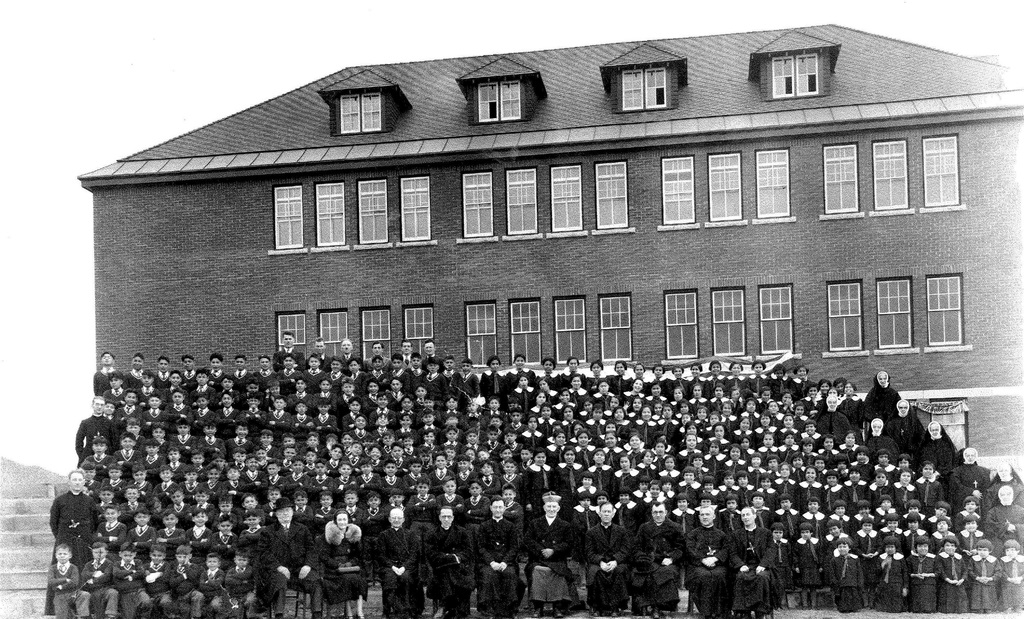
{"x": 89, "y": 82}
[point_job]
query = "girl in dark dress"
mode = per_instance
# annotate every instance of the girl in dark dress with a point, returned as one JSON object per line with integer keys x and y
{"x": 340, "y": 554}
{"x": 894, "y": 580}
{"x": 847, "y": 578}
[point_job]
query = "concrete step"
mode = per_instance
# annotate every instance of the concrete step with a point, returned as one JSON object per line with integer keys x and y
{"x": 24, "y": 522}
{"x": 29, "y": 558}
{"x": 23, "y": 579}
{"x": 9, "y": 506}
{"x": 22, "y": 539}
{"x": 22, "y": 604}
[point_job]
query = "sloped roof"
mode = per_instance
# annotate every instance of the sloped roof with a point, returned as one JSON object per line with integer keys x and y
{"x": 644, "y": 54}
{"x": 502, "y": 67}
{"x": 793, "y": 41}
{"x": 875, "y": 69}
{"x": 367, "y": 79}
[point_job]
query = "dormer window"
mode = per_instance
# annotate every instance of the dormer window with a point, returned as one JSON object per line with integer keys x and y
{"x": 644, "y": 89}
{"x": 499, "y": 101}
{"x": 360, "y": 113}
{"x": 795, "y": 76}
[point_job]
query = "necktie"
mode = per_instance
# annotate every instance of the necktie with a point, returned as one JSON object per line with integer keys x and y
{"x": 952, "y": 563}
{"x": 572, "y": 485}
{"x": 842, "y": 574}
{"x": 887, "y": 565}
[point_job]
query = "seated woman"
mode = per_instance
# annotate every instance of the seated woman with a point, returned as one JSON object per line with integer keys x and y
{"x": 341, "y": 556}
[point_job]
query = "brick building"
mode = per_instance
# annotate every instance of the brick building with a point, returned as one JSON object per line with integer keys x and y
{"x": 846, "y": 196}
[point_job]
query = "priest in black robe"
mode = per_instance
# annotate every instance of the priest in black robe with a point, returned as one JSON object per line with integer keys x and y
{"x": 608, "y": 547}
{"x": 751, "y": 558}
{"x": 549, "y": 542}
{"x": 708, "y": 550}
{"x": 448, "y": 550}
{"x": 657, "y": 559}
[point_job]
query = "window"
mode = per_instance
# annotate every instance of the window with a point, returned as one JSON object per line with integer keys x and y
{"x": 360, "y": 113}
{"x": 296, "y": 323}
{"x": 330, "y": 214}
{"x": 499, "y": 101}
{"x": 844, "y": 324}
{"x": 616, "y": 329}
{"x": 945, "y": 313}
{"x": 677, "y": 190}
{"x": 841, "y": 179}
{"x": 566, "y": 204}
{"x": 570, "y": 329}
{"x": 776, "y": 319}
{"x": 612, "y": 209}
{"x": 681, "y": 324}
{"x": 376, "y": 328}
{"x": 727, "y": 316}
{"x": 524, "y": 317}
{"x": 644, "y": 89}
{"x": 416, "y": 209}
{"x": 894, "y": 313}
{"x": 890, "y": 175}
{"x": 481, "y": 332}
{"x": 724, "y": 187}
{"x": 373, "y": 212}
{"x": 941, "y": 172}
{"x": 521, "y": 195}
{"x": 288, "y": 217}
{"x": 334, "y": 329}
{"x": 804, "y": 81}
{"x": 419, "y": 326}
{"x": 478, "y": 212}
{"x": 773, "y": 183}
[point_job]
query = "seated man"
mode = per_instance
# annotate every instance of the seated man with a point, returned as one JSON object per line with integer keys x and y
{"x": 286, "y": 556}
{"x": 398, "y": 553}
{"x": 498, "y": 545}
{"x": 607, "y": 548}
{"x": 708, "y": 549}
{"x": 751, "y": 556}
{"x": 657, "y": 559}
{"x": 549, "y": 545}
{"x": 448, "y": 549}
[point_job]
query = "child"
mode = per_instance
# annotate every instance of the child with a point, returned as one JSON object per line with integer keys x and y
{"x": 128, "y": 581}
{"x": 953, "y": 570}
{"x": 239, "y": 586}
{"x": 183, "y": 580}
{"x": 211, "y": 583}
{"x": 780, "y": 563}
{"x": 62, "y": 583}
{"x": 1013, "y": 576}
{"x": 808, "y": 562}
{"x": 893, "y": 580}
{"x": 847, "y": 578}
{"x": 985, "y": 572}
{"x": 923, "y": 576}
{"x": 98, "y": 577}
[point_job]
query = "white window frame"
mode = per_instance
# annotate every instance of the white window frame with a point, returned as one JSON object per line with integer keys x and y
{"x": 724, "y": 181}
{"x": 333, "y": 330}
{"x": 570, "y": 320}
{"x": 481, "y": 331}
{"x": 772, "y": 184}
{"x": 944, "y": 299}
{"x": 481, "y": 204}
{"x": 846, "y": 310}
{"x": 330, "y": 214}
{"x": 681, "y": 316}
{"x": 840, "y": 173}
{"x": 375, "y": 326}
{"x": 373, "y": 212}
{"x": 416, "y": 208}
{"x": 611, "y": 181}
{"x": 640, "y": 89}
{"x": 503, "y": 101}
{"x": 524, "y": 329}
{"x": 890, "y": 168}
{"x": 803, "y": 86}
{"x": 521, "y": 201}
{"x": 367, "y": 112}
{"x": 616, "y": 322}
{"x": 294, "y": 322}
{"x": 893, "y": 301}
{"x": 791, "y": 76}
{"x": 726, "y": 313}
{"x": 288, "y": 217}
{"x": 941, "y": 165}
{"x": 775, "y": 304}
{"x": 783, "y": 80}
{"x": 567, "y": 198}
{"x": 419, "y": 325}
{"x": 677, "y": 197}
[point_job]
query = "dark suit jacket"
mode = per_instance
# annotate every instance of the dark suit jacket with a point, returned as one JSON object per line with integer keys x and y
{"x": 292, "y": 549}
{"x": 398, "y": 548}
{"x": 615, "y": 545}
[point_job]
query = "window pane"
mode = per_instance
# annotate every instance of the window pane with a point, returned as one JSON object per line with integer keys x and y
{"x": 371, "y": 112}
{"x": 890, "y": 175}
{"x": 611, "y": 195}
{"x": 894, "y": 313}
{"x": 330, "y": 214}
{"x": 632, "y": 90}
{"x": 655, "y": 88}
{"x": 945, "y": 318}
{"x": 373, "y": 212}
{"x": 478, "y": 211}
{"x": 844, "y": 316}
{"x": 724, "y": 187}
{"x": 481, "y": 340}
{"x": 773, "y": 183}
{"x": 616, "y": 328}
{"x": 841, "y": 179}
{"x": 727, "y": 316}
{"x": 570, "y": 329}
{"x": 350, "y": 121}
{"x": 566, "y": 204}
{"x": 681, "y": 324}
{"x": 776, "y": 320}
{"x": 677, "y": 190}
{"x": 510, "y": 107}
{"x": 288, "y": 216}
{"x": 333, "y": 326}
{"x": 416, "y": 209}
{"x": 782, "y": 77}
{"x": 488, "y": 101}
{"x": 296, "y": 323}
{"x": 376, "y": 328}
{"x": 419, "y": 326}
{"x": 807, "y": 74}
{"x": 524, "y": 320}
{"x": 521, "y": 189}
{"x": 941, "y": 172}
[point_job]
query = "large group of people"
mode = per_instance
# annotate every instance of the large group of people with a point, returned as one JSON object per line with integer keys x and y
{"x": 211, "y": 490}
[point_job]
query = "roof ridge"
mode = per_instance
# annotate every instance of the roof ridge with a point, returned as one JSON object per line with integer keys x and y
{"x": 920, "y": 45}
